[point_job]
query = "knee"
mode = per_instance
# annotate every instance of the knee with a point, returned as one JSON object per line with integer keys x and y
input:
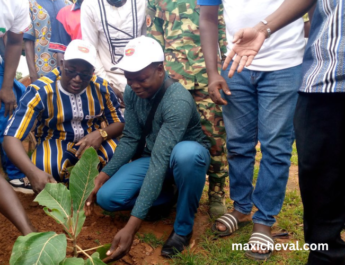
{"x": 103, "y": 199}
{"x": 188, "y": 154}
{"x": 110, "y": 199}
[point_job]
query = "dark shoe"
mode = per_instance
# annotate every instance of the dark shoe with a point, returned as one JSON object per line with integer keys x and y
{"x": 216, "y": 197}
{"x": 175, "y": 244}
{"x": 217, "y": 205}
{"x": 22, "y": 185}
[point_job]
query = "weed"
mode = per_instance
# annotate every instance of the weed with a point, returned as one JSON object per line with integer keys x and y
{"x": 150, "y": 239}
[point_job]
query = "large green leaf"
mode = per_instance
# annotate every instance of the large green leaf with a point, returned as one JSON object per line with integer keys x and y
{"x": 81, "y": 181}
{"x": 39, "y": 249}
{"x": 57, "y": 198}
{"x": 72, "y": 261}
{"x": 94, "y": 260}
{"x": 103, "y": 250}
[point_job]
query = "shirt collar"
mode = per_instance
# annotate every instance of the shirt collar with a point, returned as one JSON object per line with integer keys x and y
{"x": 76, "y": 6}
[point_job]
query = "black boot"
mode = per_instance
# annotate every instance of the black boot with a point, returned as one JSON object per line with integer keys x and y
{"x": 175, "y": 244}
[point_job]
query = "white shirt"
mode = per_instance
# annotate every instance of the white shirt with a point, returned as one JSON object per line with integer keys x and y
{"x": 109, "y": 29}
{"x": 284, "y": 49}
{"x": 14, "y": 16}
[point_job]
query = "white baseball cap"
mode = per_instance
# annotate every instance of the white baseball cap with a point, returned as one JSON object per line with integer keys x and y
{"x": 140, "y": 53}
{"x": 80, "y": 49}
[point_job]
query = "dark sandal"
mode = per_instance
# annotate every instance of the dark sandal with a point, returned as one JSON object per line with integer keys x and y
{"x": 229, "y": 221}
{"x": 263, "y": 241}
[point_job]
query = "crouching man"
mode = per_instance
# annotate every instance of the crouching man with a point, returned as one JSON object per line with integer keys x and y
{"x": 69, "y": 105}
{"x": 169, "y": 146}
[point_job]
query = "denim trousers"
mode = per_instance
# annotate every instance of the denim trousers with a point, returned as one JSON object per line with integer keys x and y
{"x": 18, "y": 89}
{"x": 189, "y": 162}
{"x": 260, "y": 108}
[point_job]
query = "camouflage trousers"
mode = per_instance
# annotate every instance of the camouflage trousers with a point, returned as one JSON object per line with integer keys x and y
{"x": 213, "y": 127}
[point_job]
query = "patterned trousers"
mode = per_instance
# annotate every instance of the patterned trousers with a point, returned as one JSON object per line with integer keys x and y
{"x": 55, "y": 156}
{"x": 213, "y": 127}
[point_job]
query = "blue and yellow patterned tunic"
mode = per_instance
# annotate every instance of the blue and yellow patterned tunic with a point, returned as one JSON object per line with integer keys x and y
{"x": 63, "y": 119}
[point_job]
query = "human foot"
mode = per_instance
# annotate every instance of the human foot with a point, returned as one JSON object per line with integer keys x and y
{"x": 261, "y": 243}
{"x": 229, "y": 223}
{"x": 238, "y": 215}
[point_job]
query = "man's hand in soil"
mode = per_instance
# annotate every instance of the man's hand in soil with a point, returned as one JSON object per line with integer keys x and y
{"x": 17, "y": 154}
{"x": 39, "y": 180}
{"x": 123, "y": 240}
{"x": 8, "y": 98}
{"x": 216, "y": 83}
{"x": 99, "y": 181}
{"x": 93, "y": 139}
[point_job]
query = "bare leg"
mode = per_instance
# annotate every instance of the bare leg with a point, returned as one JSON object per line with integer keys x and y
{"x": 12, "y": 209}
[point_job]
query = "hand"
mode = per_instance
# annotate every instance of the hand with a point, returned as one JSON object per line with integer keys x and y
{"x": 247, "y": 43}
{"x": 118, "y": 95}
{"x": 216, "y": 83}
{"x": 123, "y": 240}
{"x": 93, "y": 139}
{"x": 34, "y": 77}
{"x": 8, "y": 98}
{"x": 99, "y": 181}
{"x": 40, "y": 179}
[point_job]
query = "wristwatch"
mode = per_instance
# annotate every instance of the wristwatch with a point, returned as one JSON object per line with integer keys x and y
{"x": 103, "y": 134}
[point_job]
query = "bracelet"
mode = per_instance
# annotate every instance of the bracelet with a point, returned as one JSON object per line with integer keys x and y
{"x": 269, "y": 32}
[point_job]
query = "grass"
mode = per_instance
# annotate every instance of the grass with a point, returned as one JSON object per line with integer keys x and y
{"x": 209, "y": 251}
{"x": 294, "y": 157}
{"x": 150, "y": 239}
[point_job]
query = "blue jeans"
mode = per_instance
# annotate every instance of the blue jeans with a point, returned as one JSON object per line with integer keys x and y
{"x": 18, "y": 89}
{"x": 260, "y": 108}
{"x": 189, "y": 162}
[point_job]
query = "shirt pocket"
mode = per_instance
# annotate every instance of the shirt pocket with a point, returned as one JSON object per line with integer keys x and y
{"x": 187, "y": 18}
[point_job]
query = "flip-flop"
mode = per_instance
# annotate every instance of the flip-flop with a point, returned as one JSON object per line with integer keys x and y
{"x": 263, "y": 241}
{"x": 229, "y": 221}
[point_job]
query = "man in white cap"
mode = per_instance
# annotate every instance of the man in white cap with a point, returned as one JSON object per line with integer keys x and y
{"x": 166, "y": 145}
{"x": 69, "y": 104}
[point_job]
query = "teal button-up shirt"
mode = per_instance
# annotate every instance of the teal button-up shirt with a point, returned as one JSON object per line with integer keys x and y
{"x": 176, "y": 119}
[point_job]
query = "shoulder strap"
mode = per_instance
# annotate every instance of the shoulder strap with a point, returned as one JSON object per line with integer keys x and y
{"x": 148, "y": 124}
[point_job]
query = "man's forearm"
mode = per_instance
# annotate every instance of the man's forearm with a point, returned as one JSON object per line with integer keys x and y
{"x": 209, "y": 37}
{"x": 30, "y": 59}
{"x": 114, "y": 130}
{"x": 289, "y": 11}
{"x": 16, "y": 153}
{"x": 13, "y": 51}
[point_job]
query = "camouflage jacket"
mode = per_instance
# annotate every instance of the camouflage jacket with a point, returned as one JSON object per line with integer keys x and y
{"x": 175, "y": 24}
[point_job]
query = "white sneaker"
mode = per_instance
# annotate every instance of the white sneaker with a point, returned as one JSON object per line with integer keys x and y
{"x": 22, "y": 185}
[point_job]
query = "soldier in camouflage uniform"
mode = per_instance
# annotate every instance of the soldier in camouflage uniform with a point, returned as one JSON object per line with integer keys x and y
{"x": 175, "y": 24}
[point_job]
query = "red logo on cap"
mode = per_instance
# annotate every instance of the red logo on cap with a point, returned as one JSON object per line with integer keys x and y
{"x": 129, "y": 52}
{"x": 83, "y": 49}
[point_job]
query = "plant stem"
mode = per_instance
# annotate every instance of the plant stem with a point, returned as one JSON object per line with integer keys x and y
{"x": 82, "y": 251}
{"x": 91, "y": 249}
{"x": 75, "y": 252}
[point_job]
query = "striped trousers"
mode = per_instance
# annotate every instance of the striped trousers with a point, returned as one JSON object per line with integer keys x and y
{"x": 54, "y": 156}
